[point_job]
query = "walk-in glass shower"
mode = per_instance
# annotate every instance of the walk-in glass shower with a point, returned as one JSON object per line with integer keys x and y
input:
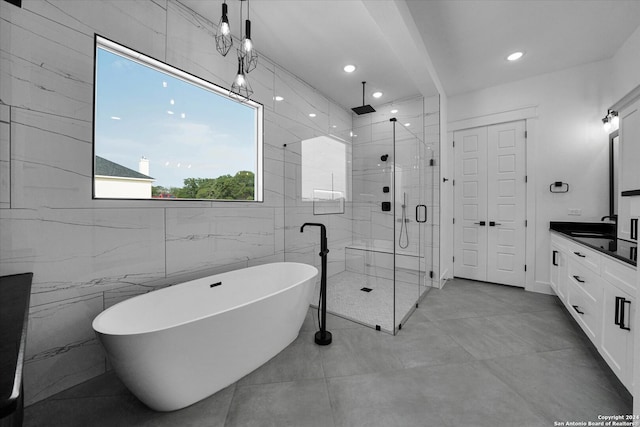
{"x": 376, "y": 190}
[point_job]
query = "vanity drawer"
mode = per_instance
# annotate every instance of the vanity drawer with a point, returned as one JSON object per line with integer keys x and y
{"x": 585, "y": 310}
{"x": 619, "y": 274}
{"x": 585, "y": 256}
{"x": 585, "y": 279}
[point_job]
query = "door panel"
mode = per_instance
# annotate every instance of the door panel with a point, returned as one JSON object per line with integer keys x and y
{"x": 471, "y": 205}
{"x": 506, "y": 203}
{"x": 490, "y": 186}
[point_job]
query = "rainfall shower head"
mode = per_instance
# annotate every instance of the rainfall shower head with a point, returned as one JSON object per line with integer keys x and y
{"x": 363, "y": 109}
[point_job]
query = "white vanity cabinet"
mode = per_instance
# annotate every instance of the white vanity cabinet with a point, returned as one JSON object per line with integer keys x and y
{"x": 616, "y": 343}
{"x": 599, "y": 292}
{"x": 559, "y": 266}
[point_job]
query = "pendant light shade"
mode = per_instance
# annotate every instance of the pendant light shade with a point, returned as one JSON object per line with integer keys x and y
{"x": 246, "y": 51}
{"x": 224, "y": 41}
{"x": 241, "y": 89}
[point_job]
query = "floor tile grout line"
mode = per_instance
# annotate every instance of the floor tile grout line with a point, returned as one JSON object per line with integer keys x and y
{"x": 530, "y": 405}
{"x": 229, "y": 406}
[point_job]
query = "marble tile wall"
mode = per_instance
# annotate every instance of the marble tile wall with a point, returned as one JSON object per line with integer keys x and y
{"x": 87, "y": 255}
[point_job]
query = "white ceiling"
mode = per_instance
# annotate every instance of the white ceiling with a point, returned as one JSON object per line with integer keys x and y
{"x": 396, "y": 43}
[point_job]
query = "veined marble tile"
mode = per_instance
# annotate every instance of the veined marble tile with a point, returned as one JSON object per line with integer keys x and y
{"x": 277, "y": 257}
{"x": 191, "y": 46}
{"x": 202, "y": 238}
{"x": 138, "y": 24}
{"x": 432, "y": 120}
{"x": 5, "y": 164}
{"x": 45, "y": 66}
{"x": 340, "y": 122}
{"x": 76, "y": 252}
{"x": 51, "y": 160}
{"x": 279, "y": 231}
{"x": 305, "y": 255}
{"x": 114, "y": 296}
{"x": 62, "y": 349}
{"x": 432, "y": 104}
{"x": 300, "y": 100}
{"x": 5, "y": 113}
{"x": 282, "y": 130}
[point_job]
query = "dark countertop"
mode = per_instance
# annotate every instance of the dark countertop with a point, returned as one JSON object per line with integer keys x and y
{"x": 15, "y": 292}
{"x": 630, "y": 193}
{"x": 599, "y": 236}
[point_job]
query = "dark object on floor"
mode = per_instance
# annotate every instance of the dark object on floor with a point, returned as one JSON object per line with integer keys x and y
{"x": 15, "y": 292}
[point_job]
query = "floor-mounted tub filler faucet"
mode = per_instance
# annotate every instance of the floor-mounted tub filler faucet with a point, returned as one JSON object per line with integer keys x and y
{"x": 323, "y": 337}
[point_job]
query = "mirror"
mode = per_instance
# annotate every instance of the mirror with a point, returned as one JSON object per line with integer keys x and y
{"x": 614, "y": 187}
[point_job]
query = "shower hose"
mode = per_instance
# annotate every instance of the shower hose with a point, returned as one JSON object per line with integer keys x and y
{"x": 403, "y": 226}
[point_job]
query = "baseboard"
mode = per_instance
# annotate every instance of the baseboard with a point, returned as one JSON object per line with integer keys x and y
{"x": 541, "y": 288}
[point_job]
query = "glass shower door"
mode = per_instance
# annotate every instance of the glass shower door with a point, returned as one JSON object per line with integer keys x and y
{"x": 410, "y": 218}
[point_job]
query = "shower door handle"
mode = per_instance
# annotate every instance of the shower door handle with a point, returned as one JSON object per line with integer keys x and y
{"x": 418, "y": 213}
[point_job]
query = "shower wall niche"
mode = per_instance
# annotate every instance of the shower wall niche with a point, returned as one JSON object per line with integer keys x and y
{"x": 376, "y": 189}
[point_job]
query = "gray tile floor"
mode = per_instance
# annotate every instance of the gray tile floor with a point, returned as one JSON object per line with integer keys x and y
{"x": 472, "y": 354}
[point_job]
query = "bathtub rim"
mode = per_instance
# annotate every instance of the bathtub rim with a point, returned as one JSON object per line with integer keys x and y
{"x": 105, "y": 313}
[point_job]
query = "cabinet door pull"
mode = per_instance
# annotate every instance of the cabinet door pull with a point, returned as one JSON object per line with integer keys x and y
{"x": 577, "y": 309}
{"x": 626, "y": 301}
{"x": 580, "y": 255}
{"x": 634, "y": 229}
{"x": 481, "y": 223}
{"x": 578, "y": 279}
{"x": 554, "y": 259}
{"x": 620, "y": 312}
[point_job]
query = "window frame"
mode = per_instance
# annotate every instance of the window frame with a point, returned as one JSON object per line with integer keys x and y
{"x": 101, "y": 42}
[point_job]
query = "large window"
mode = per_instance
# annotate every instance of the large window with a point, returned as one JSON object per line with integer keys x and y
{"x": 164, "y": 134}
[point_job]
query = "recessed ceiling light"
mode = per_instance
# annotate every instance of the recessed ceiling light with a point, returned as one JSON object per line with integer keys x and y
{"x": 394, "y": 111}
{"x": 312, "y": 114}
{"x": 170, "y": 112}
{"x": 349, "y": 68}
{"x": 515, "y": 56}
{"x": 377, "y": 94}
{"x": 279, "y": 98}
{"x": 407, "y": 124}
{"x": 115, "y": 118}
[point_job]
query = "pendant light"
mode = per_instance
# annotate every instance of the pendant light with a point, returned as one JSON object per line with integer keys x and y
{"x": 247, "y": 51}
{"x": 224, "y": 41}
{"x": 240, "y": 88}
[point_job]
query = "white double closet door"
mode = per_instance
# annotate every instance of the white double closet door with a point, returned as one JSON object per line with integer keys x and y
{"x": 490, "y": 203}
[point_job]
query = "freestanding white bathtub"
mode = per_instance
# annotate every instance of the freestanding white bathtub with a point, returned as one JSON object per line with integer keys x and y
{"x": 175, "y": 346}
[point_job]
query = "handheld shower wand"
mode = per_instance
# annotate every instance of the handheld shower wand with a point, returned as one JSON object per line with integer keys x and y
{"x": 403, "y": 226}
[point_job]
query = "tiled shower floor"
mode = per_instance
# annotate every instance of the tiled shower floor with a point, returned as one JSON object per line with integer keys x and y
{"x": 346, "y": 299}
